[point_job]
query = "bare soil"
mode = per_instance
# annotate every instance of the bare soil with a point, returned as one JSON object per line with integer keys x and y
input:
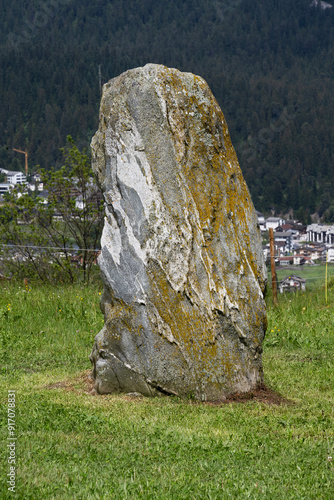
{"x": 263, "y": 394}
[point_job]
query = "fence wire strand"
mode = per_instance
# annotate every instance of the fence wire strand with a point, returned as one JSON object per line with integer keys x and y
{"x": 68, "y": 249}
{"x": 35, "y": 247}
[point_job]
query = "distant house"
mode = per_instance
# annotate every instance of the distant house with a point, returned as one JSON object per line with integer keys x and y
{"x": 285, "y": 261}
{"x": 292, "y": 284}
{"x": 38, "y": 186}
{"x": 286, "y": 238}
{"x": 44, "y": 196}
{"x": 266, "y": 252}
{"x": 300, "y": 260}
{"x": 283, "y": 227}
{"x": 320, "y": 233}
{"x": 36, "y": 177}
{"x": 296, "y": 229}
{"x": 15, "y": 177}
{"x": 274, "y": 222}
{"x": 313, "y": 251}
{"x": 281, "y": 248}
{"x": 5, "y": 187}
{"x": 330, "y": 255}
{"x": 93, "y": 198}
{"x": 261, "y": 220}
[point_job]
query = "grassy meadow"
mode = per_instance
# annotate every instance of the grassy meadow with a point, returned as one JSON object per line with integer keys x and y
{"x": 72, "y": 444}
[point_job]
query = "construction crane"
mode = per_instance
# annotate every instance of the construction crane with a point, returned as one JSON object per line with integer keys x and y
{"x": 25, "y": 156}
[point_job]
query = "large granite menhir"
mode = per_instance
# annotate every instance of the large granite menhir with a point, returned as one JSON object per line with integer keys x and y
{"x": 181, "y": 259}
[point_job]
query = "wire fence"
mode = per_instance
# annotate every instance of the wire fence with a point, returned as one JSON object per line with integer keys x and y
{"x": 61, "y": 249}
{"x": 96, "y": 250}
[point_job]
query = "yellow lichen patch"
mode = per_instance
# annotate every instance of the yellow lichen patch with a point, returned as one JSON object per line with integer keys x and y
{"x": 194, "y": 332}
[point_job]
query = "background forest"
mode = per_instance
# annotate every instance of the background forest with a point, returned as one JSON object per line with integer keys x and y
{"x": 270, "y": 64}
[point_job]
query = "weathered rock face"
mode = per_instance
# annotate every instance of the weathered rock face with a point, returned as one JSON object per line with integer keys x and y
{"x": 181, "y": 258}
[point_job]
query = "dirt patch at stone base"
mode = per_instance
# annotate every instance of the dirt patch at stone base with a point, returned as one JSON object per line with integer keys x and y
{"x": 262, "y": 394}
{"x": 84, "y": 383}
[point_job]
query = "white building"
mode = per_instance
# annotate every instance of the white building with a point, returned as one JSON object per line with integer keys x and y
{"x": 320, "y": 233}
{"x": 330, "y": 255}
{"x": 14, "y": 177}
{"x": 261, "y": 221}
{"x": 292, "y": 283}
{"x": 274, "y": 222}
{"x": 5, "y": 187}
{"x": 286, "y": 237}
{"x": 37, "y": 186}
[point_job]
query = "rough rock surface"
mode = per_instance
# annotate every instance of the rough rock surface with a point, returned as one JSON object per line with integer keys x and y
{"x": 181, "y": 259}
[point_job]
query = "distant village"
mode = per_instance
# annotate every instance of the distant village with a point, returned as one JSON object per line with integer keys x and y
{"x": 295, "y": 243}
{"x": 15, "y": 178}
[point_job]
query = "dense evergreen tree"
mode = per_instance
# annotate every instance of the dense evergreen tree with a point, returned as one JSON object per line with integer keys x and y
{"x": 269, "y": 63}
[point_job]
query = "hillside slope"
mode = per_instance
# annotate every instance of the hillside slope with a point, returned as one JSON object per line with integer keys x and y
{"x": 270, "y": 64}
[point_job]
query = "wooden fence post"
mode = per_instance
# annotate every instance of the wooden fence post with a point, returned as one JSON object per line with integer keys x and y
{"x": 272, "y": 262}
{"x": 326, "y": 278}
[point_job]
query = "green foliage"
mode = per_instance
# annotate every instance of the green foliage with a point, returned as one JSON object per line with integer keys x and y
{"x": 72, "y": 444}
{"x": 329, "y": 215}
{"x": 38, "y": 237}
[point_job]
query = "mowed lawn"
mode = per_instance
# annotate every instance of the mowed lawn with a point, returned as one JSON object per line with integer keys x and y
{"x": 72, "y": 444}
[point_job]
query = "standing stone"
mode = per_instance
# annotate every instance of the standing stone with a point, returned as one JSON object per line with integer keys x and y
{"x": 181, "y": 259}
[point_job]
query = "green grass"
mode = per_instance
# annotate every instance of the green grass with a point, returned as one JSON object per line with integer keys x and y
{"x": 74, "y": 445}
